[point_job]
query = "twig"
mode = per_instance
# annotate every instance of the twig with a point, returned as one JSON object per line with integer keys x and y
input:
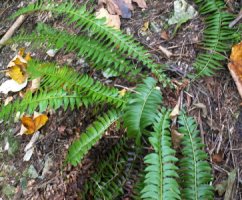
{"x": 12, "y": 29}
{"x": 236, "y": 20}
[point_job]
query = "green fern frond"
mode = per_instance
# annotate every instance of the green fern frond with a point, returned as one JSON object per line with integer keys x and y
{"x": 195, "y": 170}
{"x": 93, "y": 134}
{"x": 206, "y": 7}
{"x": 160, "y": 180}
{"x": 111, "y": 173}
{"x": 53, "y": 78}
{"x": 101, "y": 56}
{"x": 218, "y": 37}
{"x": 41, "y": 101}
{"x": 142, "y": 108}
{"x": 97, "y": 29}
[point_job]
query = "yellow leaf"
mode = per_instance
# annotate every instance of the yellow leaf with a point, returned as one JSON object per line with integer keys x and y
{"x": 33, "y": 124}
{"x": 27, "y": 57}
{"x": 122, "y": 92}
{"x": 17, "y": 74}
{"x": 145, "y": 26}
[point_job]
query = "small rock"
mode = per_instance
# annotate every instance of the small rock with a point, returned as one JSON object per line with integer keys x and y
{"x": 51, "y": 52}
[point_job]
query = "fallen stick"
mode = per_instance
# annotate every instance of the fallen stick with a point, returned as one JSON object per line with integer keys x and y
{"x": 12, "y": 29}
{"x": 165, "y": 51}
{"x": 236, "y": 20}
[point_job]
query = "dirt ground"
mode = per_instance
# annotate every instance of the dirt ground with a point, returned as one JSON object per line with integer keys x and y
{"x": 213, "y": 101}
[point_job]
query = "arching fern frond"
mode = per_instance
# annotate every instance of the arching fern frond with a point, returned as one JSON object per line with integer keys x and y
{"x": 195, "y": 171}
{"x": 111, "y": 173}
{"x": 97, "y": 29}
{"x": 218, "y": 37}
{"x": 95, "y": 51}
{"x": 54, "y": 78}
{"x": 142, "y": 108}
{"x": 160, "y": 179}
{"x": 42, "y": 100}
{"x": 92, "y": 135}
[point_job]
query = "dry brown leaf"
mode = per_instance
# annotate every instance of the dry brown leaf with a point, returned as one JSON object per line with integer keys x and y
{"x": 111, "y": 20}
{"x": 176, "y": 109}
{"x": 33, "y": 124}
{"x": 141, "y": 3}
{"x": 35, "y": 84}
{"x": 121, "y": 7}
{"x": 235, "y": 66}
{"x": 176, "y": 137}
{"x": 164, "y": 35}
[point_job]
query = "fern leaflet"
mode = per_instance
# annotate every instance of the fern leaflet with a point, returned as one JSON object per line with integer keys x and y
{"x": 41, "y": 101}
{"x": 160, "y": 180}
{"x": 99, "y": 31}
{"x": 53, "y": 78}
{"x": 195, "y": 170}
{"x": 93, "y": 134}
{"x": 142, "y": 108}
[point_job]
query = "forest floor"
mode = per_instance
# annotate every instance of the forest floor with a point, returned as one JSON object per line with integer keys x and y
{"x": 213, "y": 101}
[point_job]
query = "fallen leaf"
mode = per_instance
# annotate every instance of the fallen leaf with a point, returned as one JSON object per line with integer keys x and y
{"x": 164, "y": 35}
{"x": 12, "y": 86}
{"x": 145, "y": 26}
{"x": 35, "y": 84}
{"x": 235, "y": 66}
{"x": 230, "y": 185}
{"x": 29, "y": 149}
{"x": 122, "y": 92}
{"x": 8, "y": 100}
{"x": 203, "y": 107}
{"x": 176, "y": 137}
{"x": 32, "y": 124}
{"x": 28, "y": 154}
{"x": 141, "y": 3}
{"x": 217, "y": 158}
{"x": 121, "y": 7}
{"x": 221, "y": 187}
{"x": 176, "y": 109}
{"x": 17, "y": 74}
{"x": 111, "y": 20}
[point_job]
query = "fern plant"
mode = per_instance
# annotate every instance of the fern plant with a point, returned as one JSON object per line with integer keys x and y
{"x": 139, "y": 112}
{"x": 111, "y": 38}
{"x": 217, "y": 37}
{"x": 160, "y": 180}
{"x": 195, "y": 171}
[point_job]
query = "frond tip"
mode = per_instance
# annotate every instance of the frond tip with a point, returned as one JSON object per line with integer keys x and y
{"x": 142, "y": 108}
{"x": 195, "y": 170}
{"x": 87, "y": 140}
{"x": 160, "y": 180}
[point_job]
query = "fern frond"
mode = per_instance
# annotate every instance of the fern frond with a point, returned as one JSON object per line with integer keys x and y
{"x": 195, "y": 170}
{"x": 142, "y": 108}
{"x": 111, "y": 173}
{"x": 41, "y": 101}
{"x": 53, "y": 78}
{"x": 218, "y": 37}
{"x": 160, "y": 179}
{"x": 101, "y": 56}
{"x": 93, "y": 134}
{"x": 124, "y": 44}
